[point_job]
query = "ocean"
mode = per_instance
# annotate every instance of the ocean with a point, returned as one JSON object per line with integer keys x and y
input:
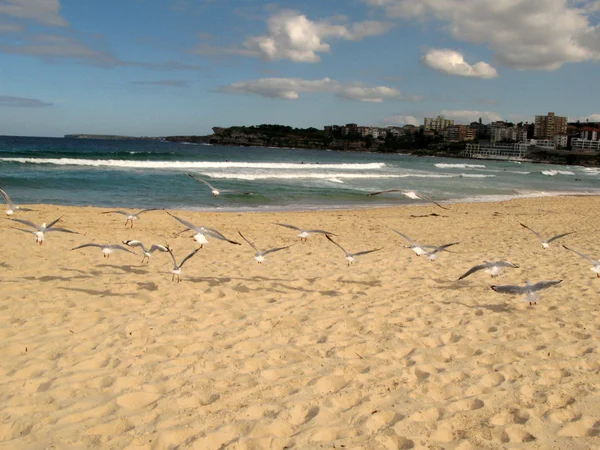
{"x": 143, "y": 174}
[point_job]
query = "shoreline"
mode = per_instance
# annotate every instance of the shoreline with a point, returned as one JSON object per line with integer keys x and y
{"x": 302, "y": 351}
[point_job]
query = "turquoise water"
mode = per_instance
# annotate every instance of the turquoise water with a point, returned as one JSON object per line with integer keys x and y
{"x": 142, "y": 174}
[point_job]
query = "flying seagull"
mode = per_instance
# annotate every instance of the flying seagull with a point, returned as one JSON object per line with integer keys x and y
{"x": 421, "y": 250}
{"x": 42, "y": 229}
{"x": 147, "y": 252}
{"x": 530, "y": 290}
{"x": 259, "y": 256}
{"x": 11, "y": 208}
{"x": 410, "y": 194}
{"x": 202, "y": 232}
{"x": 107, "y": 249}
{"x": 433, "y": 254}
{"x": 595, "y": 262}
{"x": 130, "y": 216}
{"x": 494, "y": 268}
{"x": 215, "y": 191}
{"x": 546, "y": 242}
{"x": 350, "y": 256}
{"x": 177, "y": 267}
{"x": 304, "y": 234}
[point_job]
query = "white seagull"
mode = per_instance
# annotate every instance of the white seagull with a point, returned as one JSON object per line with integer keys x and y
{"x": 420, "y": 250}
{"x": 215, "y": 191}
{"x": 304, "y": 234}
{"x": 433, "y": 254}
{"x": 107, "y": 249}
{"x": 42, "y": 229}
{"x": 546, "y": 242}
{"x": 11, "y": 208}
{"x": 147, "y": 252}
{"x": 494, "y": 268}
{"x": 595, "y": 262}
{"x": 350, "y": 256}
{"x": 259, "y": 256}
{"x": 177, "y": 267}
{"x": 130, "y": 216}
{"x": 201, "y": 232}
{"x": 530, "y": 290}
{"x": 410, "y": 194}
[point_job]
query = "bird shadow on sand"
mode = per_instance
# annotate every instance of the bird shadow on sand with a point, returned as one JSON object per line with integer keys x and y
{"x": 498, "y": 308}
{"x": 128, "y": 268}
{"x": 4, "y": 265}
{"x": 104, "y": 293}
{"x": 374, "y": 283}
{"x": 276, "y": 285}
{"x": 47, "y": 278}
{"x": 413, "y": 216}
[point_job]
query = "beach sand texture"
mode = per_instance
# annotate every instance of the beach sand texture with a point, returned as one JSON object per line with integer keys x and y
{"x": 302, "y": 351}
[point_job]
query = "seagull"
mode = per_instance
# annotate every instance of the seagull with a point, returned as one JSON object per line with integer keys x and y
{"x": 304, "y": 234}
{"x": 11, "y": 208}
{"x": 147, "y": 252}
{"x": 494, "y": 268}
{"x": 595, "y": 262}
{"x": 529, "y": 289}
{"x": 177, "y": 267}
{"x": 260, "y": 256}
{"x": 546, "y": 242}
{"x": 41, "y": 230}
{"x": 130, "y": 216}
{"x": 350, "y": 256}
{"x": 433, "y": 254}
{"x": 421, "y": 250}
{"x": 410, "y": 194}
{"x": 202, "y": 232}
{"x": 107, "y": 249}
{"x": 215, "y": 191}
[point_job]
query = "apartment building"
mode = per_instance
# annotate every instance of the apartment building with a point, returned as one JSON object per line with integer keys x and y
{"x": 437, "y": 124}
{"x": 546, "y": 127}
{"x": 589, "y": 133}
{"x": 561, "y": 140}
{"x": 459, "y": 133}
{"x": 585, "y": 144}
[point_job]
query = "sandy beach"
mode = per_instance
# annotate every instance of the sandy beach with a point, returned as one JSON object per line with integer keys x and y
{"x": 302, "y": 351}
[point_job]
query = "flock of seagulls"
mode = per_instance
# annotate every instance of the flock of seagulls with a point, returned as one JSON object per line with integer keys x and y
{"x": 201, "y": 233}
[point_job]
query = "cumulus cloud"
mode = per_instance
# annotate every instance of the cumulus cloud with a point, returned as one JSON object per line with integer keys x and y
{"x": 590, "y": 118}
{"x": 468, "y": 116}
{"x": 526, "y": 35}
{"x": 453, "y": 63}
{"x": 6, "y": 100}
{"x": 11, "y": 28}
{"x": 291, "y": 88}
{"x": 402, "y": 120}
{"x": 291, "y": 35}
{"x": 45, "y": 12}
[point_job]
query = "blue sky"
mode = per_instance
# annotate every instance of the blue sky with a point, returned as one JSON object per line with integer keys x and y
{"x": 172, "y": 67}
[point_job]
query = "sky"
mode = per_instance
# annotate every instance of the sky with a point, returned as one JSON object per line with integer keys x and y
{"x": 181, "y": 67}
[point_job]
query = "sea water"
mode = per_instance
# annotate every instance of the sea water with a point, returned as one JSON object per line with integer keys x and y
{"x": 151, "y": 173}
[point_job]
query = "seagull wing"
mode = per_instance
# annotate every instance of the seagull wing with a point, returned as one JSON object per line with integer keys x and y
{"x": 321, "y": 231}
{"x": 118, "y": 211}
{"x": 473, "y": 269}
{"x": 383, "y": 192}
{"x": 146, "y": 210}
{"x": 509, "y": 289}
{"x": 21, "y": 229}
{"x": 53, "y": 222}
{"x": 505, "y": 264}
{"x": 218, "y": 235}
{"x": 543, "y": 285}
{"x": 558, "y": 236}
{"x": 331, "y": 240}
{"x": 581, "y": 254}
{"x": 251, "y": 244}
{"x": 26, "y": 222}
{"x": 404, "y": 236}
{"x": 190, "y": 225}
{"x": 273, "y": 250}
{"x": 88, "y": 245}
{"x": 160, "y": 248}
{"x": 534, "y": 232}
{"x": 236, "y": 192}
{"x": 442, "y": 247}
{"x": 6, "y": 199}
{"x": 364, "y": 252}
{"x": 288, "y": 226}
{"x": 132, "y": 243}
{"x": 119, "y": 247}
{"x": 201, "y": 181}
{"x": 172, "y": 257}
{"x": 432, "y": 201}
{"x": 63, "y": 230}
{"x": 188, "y": 257}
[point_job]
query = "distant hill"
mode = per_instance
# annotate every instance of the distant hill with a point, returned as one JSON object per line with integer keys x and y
{"x": 110, "y": 137}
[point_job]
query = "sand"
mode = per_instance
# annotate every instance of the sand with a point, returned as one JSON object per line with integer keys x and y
{"x": 302, "y": 351}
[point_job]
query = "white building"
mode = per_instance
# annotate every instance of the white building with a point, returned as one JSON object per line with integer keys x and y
{"x": 561, "y": 140}
{"x": 547, "y": 144}
{"x": 518, "y": 134}
{"x": 438, "y": 124}
{"x": 496, "y": 151}
{"x": 585, "y": 144}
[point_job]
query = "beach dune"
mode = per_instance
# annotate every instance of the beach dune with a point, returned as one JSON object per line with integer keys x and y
{"x": 302, "y": 351}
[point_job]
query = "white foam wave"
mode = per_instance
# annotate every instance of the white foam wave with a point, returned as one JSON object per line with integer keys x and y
{"x": 476, "y": 175}
{"x": 459, "y": 166}
{"x": 553, "y": 173}
{"x": 188, "y": 164}
{"x": 335, "y": 176}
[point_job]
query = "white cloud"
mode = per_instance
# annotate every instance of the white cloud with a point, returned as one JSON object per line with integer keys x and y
{"x": 45, "y": 12}
{"x": 11, "y": 28}
{"x": 590, "y": 118}
{"x": 291, "y": 88}
{"x": 453, "y": 63}
{"x": 402, "y": 120}
{"x": 526, "y": 35}
{"x": 468, "y": 116}
{"x": 291, "y": 35}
